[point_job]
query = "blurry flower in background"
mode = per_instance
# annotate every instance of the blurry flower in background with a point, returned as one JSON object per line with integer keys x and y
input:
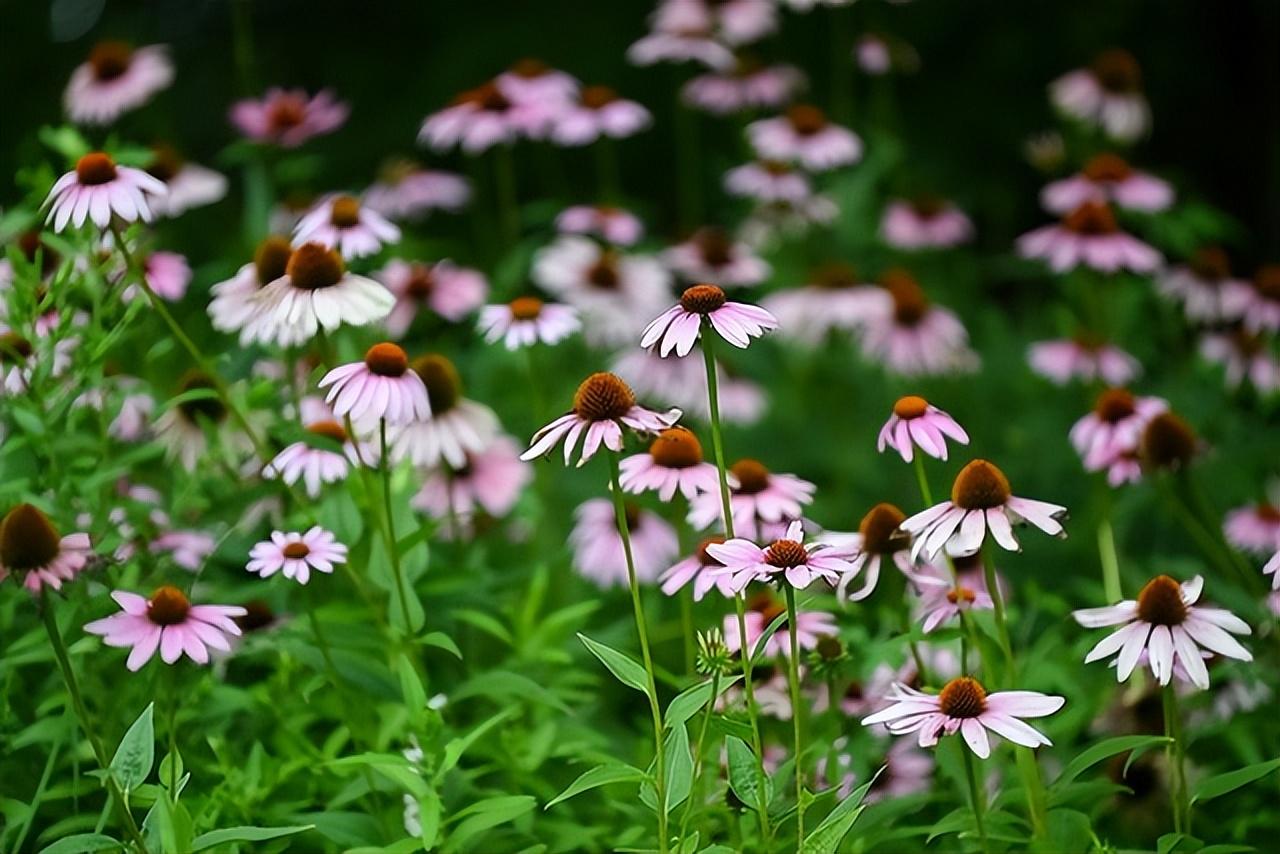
{"x": 599, "y": 112}
{"x": 189, "y": 185}
{"x": 908, "y": 335}
{"x": 188, "y": 549}
{"x": 489, "y": 480}
{"x": 834, "y": 298}
{"x": 97, "y": 189}
{"x": 1090, "y": 236}
{"x": 683, "y": 45}
{"x": 762, "y": 609}
{"x": 341, "y": 222}
{"x": 406, "y": 190}
{"x": 734, "y": 21}
{"x": 115, "y": 79}
{"x": 1244, "y": 356}
{"x": 749, "y": 85}
{"x": 1168, "y": 443}
{"x": 1205, "y": 287}
{"x": 180, "y": 429}
{"x": 1086, "y": 358}
{"x": 231, "y": 310}
{"x": 167, "y": 273}
{"x": 477, "y": 120}
{"x": 915, "y": 422}
{"x": 768, "y": 181}
{"x": 1108, "y": 94}
{"x": 925, "y": 222}
{"x": 673, "y": 462}
{"x": 295, "y": 555}
{"x": 679, "y": 327}
{"x": 597, "y": 545}
{"x": 1254, "y": 528}
{"x": 325, "y": 456}
{"x": 1114, "y": 427}
{"x": 613, "y": 225}
{"x": 35, "y": 554}
{"x": 878, "y": 539}
{"x": 1107, "y": 178}
{"x": 762, "y": 502}
{"x": 683, "y": 383}
{"x": 942, "y": 599}
{"x": 712, "y": 255}
{"x": 531, "y": 81}
{"x": 1263, "y": 310}
{"x": 380, "y": 387}
{"x": 289, "y": 117}
{"x": 20, "y": 356}
{"x": 448, "y": 290}
{"x": 167, "y": 622}
{"x": 455, "y": 426}
{"x": 804, "y": 135}
{"x": 527, "y": 320}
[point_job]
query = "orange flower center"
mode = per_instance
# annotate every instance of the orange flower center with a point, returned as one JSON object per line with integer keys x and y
{"x": 271, "y": 259}
{"x": 910, "y": 407}
{"x": 676, "y": 448}
{"x": 525, "y": 308}
{"x": 980, "y": 486}
{"x": 1107, "y": 167}
{"x": 603, "y": 397}
{"x": 702, "y": 299}
{"x": 168, "y": 606}
{"x": 910, "y": 305}
{"x": 28, "y": 539}
{"x": 444, "y": 386}
{"x": 595, "y": 97}
{"x": 387, "y": 360}
{"x": 1091, "y": 218}
{"x": 345, "y": 212}
{"x": 313, "y": 266}
{"x": 963, "y": 698}
{"x": 806, "y": 119}
{"x": 1114, "y": 404}
{"x": 785, "y": 554}
{"x": 110, "y": 59}
{"x": 95, "y": 168}
{"x": 752, "y": 476}
{"x": 879, "y": 529}
{"x": 296, "y": 551}
{"x": 1160, "y": 602}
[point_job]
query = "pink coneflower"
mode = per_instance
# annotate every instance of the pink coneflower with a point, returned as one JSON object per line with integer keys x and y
{"x": 231, "y": 309}
{"x": 316, "y": 292}
{"x": 342, "y": 223}
{"x": 711, "y": 255}
{"x": 700, "y": 568}
{"x": 925, "y": 223}
{"x": 602, "y": 406}
{"x": 1244, "y": 356}
{"x": 835, "y": 298}
{"x": 1205, "y": 287}
{"x": 673, "y": 462}
{"x": 380, "y": 387}
{"x": 942, "y": 599}
{"x": 772, "y": 221}
{"x": 787, "y": 556}
{"x": 873, "y": 55}
{"x": 1114, "y": 427}
{"x": 735, "y": 21}
{"x": 167, "y": 622}
{"x": 97, "y": 189}
{"x": 167, "y": 273}
{"x": 527, "y": 320}
{"x": 1085, "y": 358}
{"x": 981, "y": 501}
{"x": 761, "y": 500}
{"x": 450, "y": 291}
{"x": 20, "y": 356}
{"x": 1108, "y": 94}
{"x": 456, "y": 427}
{"x": 597, "y": 547}
{"x": 1255, "y": 528}
{"x": 600, "y": 111}
{"x": 405, "y": 190}
{"x": 1165, "y": 622}
{"x": 1107, "y": 178}
{"x": 1262, "y": 311}
{"x": 295, "y": 555}
{"x": 489, "y": 480}
{"x": 964, "y": 706}
{"x": 325, "y": 456}
{"x": 180, "y": 429}
{"x": 188, "y": 549}
{"x": 130, "y": 423}
{"x": 749, "y": 85}
{"x": 289, "y": 117}
{"x": 189, "y": 185}
{"x": 762, "y": 610}
{"x": 614, "y": 225}
{"x": 115, "y": 79}
{"x": 691, "y": 44}
{"x": 768, "y": 181}
{"x": 911, "y": 336}
{"x": 878, "y": 539}
{"x": 805, "y": 135}
{"x": 477, "y": 120}
{"x": 678, "y": 327}
{"x": 32, "y": 551}
{"x": 904, "y": 770}
{"x": 532, "y": 80}
{"x": 915, "y": 422}
{"x": 1090, "y": 236}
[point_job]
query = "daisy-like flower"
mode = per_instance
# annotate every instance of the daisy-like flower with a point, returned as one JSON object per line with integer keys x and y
{"x": 1262, "y": 311}
{"x": 167, "y": 273}
{"x": 477, "y": 120}
{"x": 1113, "y": 427}
{"x": 342, "y": 223}
{"x": 1107, "y": 178}
{"x": 97, "y": 189}
{"x": 878, "y": 539}
{"x": 598, "y": 554}
{"x": 32, "y": 551}
{"x": 942, "y": 600}
{"x": 1255, "y": 528}
{"x": 450, "y": 291}
{"x": 115, "y": 79}
{"x": 406, "y": 190}
{"x": 1085, "y": 358}
{"x": 762, "y": 500}
{"x": 325, "y": 456}
{"x": 181, "y": 428}
{"x": 1205, "y": 287}
{"x": 678, "y": 327}
{"x": 167, "y": 622}
{"x": 527, "y": 320}
{"x": 926, "y": 222}
{"x": 804, "y": 135}
{"x": 749, "y": 85}
{"x": 531, "y": 80}
{"x": 231, "y": 308}
{"x": 456, "y": 427}
{"x": 762, "y": 609}
{"x": 981, "y": 501}
{"x": 788, "y": 556}
{"x": 289, "y": 117}
{"x": 316, "y": 292}
{"x": 735, "y": 21}
{"x": 673, "y": 462}
{"x": 603, "y": 406}
{"x": 295, "y": 555}
{"x": 1090, "y": 236}
{"x": 915, "y": 422}
{"x": 380, "y": 387}
{"x": 187, "y": 549}
{"x": 768, "y": 181}
{"x": 1107, "y": 94}
{"x": 911, "y": 336}
{"x": 489, "y": 480}
{"x": 688, "y": 44}
{"x": 701, "y": 569}
{"x": 189, "y": 185}
{"x": 1165, "y": 622}
{"x": 835, "y": 298}
{"x": 712, "y": 255}
{"x": 614, "y": 225}
{"x": 964, "y": 706}
{"x": 600, "y": 111}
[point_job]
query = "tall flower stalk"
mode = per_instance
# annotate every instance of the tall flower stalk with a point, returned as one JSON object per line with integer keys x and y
{"x": 793, "y": 677}
{"x": 1176, "y": 756}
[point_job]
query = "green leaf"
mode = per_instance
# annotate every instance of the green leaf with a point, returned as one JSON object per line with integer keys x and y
{"x": 1221, "y": 784}
{"x": 441, "y": 641}
{"x": 456, "y": 747}
{"x": 601, "y": 775}
{"x": 744, "y": 772}
{"x": 245, "y": 834}
{"x": 690, "y": 701}
{"x": 768, "y": 634}
{"x": 82, "y": 843}
{"x": 679, "y": 781}
{"x": 485, "y": 814}
{"x": 1066, "y": 830}
{"x": 825, "y": 838}
{"x": 628, "y": 671}
{"x": 137, "y": 752}
{"x": 1105, "y": 750}
{"x": 415, "y": 696}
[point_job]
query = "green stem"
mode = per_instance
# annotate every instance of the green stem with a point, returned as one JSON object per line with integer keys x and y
{"x": 977, "y": 797}
{"x": 637, "y": 605}
{"x": 923, "y": 480}
{"x": 1176, "y": 755}
{"x": 1002, "y": 624}
{"x": 393, "y": 547}
{"x": 793, "y": 676}
{"x": 697, "y": 753}
{"x": 1110, "y": 564}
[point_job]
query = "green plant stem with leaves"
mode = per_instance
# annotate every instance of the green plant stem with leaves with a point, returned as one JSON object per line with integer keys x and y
{"x": 793, "y": 677}
{"x": 696, "y": 794}
{"x": 393, "y": 546}
{"x": 1175, "y": 752}
{"x": 977, "y": 796}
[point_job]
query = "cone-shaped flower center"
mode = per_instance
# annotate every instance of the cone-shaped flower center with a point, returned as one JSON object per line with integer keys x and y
{"x": 168, "y": 606}
{"x": 776, "y": 168}
{"x": 703, "y": 557}
{"x": 1091, "y": 218}
{"x": 286, "y": 113}
{"x": 95, "y": 168}
{"x": 258, "y": 615}
{"x": 910, "y": 407}
{"x": 980, "y": 486}
{"x": 165, "y": 162}
{"x": 444, "y": 386}
{"x": 1267, "y": 281}
{"x": 28, "y": 539}
{"x": 927, "y": 205}
{"x": 1114, "y": 404}
{"x": 961, "y": 594}
{"x": 595, "y": 97}
{"x": 1117, "y": 71}
{"x": 486, "y": 97}
{"x": 530, "y": 68}
{"x": 296, "y": 551}
{"x": 207, "y": 406}
{"x": 271, "y": 259}
{"x": 14, "y": 348}
{"x": 421, "y": 283}
{"x": 702, "y": 299}
{"x": 714, "y": 245}
{"x": 835, "y": 276}
{"x": 1107, "y": 167}
{"x": 963, "y": 697}
{"x": 1211, "y": 263}
{"x": 752, "y": 476}
{"x": 806, "y": 119}
{"x": 328, "y": 429}
{"x": 1160, "y": 602}
{"x": 785, "y": 554}
{"x": 910, "y": 305}
{"x": 525, "y": 308}
{"x": 386, "y": 360}
{"x": 603, "y": 397}
{"x": 1167, "y": 442}
{"x": 345, "y": 212}
{"x": 110, "y": 59}
{"x": 313, "y": 266}
{"x": 676, "y": 448}
{"x": 879, "y": 529}
{"x": 604, "y": 273}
